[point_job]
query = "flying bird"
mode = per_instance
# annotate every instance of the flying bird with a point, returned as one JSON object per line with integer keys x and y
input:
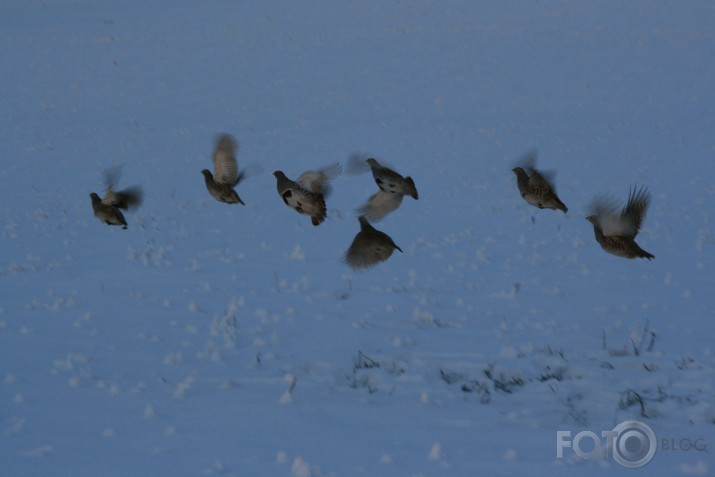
{"x": 306, "y": 195}
{"x": 226, "y": 175}
{"x": 390, "y": 181}
{"x": 616, "y": 230}
{"x": 369, "y": 247}
{"x": 536, "y": 187}
{"x": 107, "y": 209}
{"x": 392, "y": 188}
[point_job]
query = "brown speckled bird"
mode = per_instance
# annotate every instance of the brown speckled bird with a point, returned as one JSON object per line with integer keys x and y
{"x": 616, "y": 231}
{"x": 107, "y": 208}
{"x": 306, "y": 195}
{"x": 535, "y": 187}
{"x": 369, "y": 247}
{"x": 226, "y": 175}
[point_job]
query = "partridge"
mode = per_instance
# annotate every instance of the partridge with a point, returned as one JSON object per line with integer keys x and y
{"x": 226, "y": 175}
{"x": 616, "y": 231}
{"x": 306, "y": 195}
{"x": 107, "y": 208}
{"x": 369, "y": 247}
{"x": 535, "y": 187}
{"x": 390, "y": 181}
{"x": 392, "y": 188}
{"x": 108, "y": 214}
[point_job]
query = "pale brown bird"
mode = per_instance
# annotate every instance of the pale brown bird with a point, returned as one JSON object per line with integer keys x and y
{"x": 616, "y": 231}
{"x": 369, "y": 247}
{"x": 226, "y": 175}
{"x": 536, "y": 187}
{"x": 306, "y": 195}
{"x": 107, "y": 208}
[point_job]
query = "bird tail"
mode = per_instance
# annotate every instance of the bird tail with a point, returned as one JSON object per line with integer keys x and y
{"x": 413, "y": 189}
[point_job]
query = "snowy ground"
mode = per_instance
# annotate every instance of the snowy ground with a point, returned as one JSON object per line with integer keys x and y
{"x": 229, "y": 340}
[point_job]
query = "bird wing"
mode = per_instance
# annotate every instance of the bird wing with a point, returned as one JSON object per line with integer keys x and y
{"x": 317, "y": 181}
{"x": 357, "y": 163}
{"x": 225, "y": 163}
{"x": 369, "y": 247}
{"x": 129, "y": 198}
{"x": 609, "y": 219}
{"x": 539, "y": 183}
{"x": 112, "y": 176}
{"x": 366, "y": 251}
{"x": 634, "y": 211}
{"x": 380, "y": 204}
{"x": 527, "y": 161}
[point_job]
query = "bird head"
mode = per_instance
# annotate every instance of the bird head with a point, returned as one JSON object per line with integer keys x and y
{"x": 593, "y": 219}
{"x": 207, "y": 174}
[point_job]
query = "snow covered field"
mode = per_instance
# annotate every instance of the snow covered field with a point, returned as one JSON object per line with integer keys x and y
{"x": 210, "y": 339}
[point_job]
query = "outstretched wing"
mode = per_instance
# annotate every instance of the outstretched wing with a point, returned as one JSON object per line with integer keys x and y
{"x": 365, "y": 252}
{"x": 225, "y": 163}
{"x": 127, "y": 199}
{"x": 317, "y": 181}
{"x": 605, "y": 209}
{"x": 379, "y": 205}
{"x": 634, "y": 211}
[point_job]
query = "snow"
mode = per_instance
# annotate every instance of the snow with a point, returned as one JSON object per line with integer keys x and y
{"x": 210, "y": 339}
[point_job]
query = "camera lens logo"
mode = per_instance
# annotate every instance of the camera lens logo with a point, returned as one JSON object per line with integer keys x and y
{"x": 634, "y": 444}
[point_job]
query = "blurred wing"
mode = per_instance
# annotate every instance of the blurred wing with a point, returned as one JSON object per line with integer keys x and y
{"x": 127, "y": 199}
{"x": 224, "y": 158}
{"x": 380, "y": 205}
{"x": 365, "y": 252}
{"x": 527, "y": 161}
{"x": 112, "y": 176}
{"x": 317, "y": 181}
{"x": 357, "y": 163}
{"x": 634, "y": 211}
{"x": 610, "y": 221}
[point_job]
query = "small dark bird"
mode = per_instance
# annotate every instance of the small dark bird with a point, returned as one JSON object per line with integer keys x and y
{"x": 536, "y": 187}
{"x": 393, "y": 187}
{"x": 226, "y": 175}
{"x": 306, "y": 195}
{"x": 108, "y": 214}
{"x": 369, "y": 247}
{"x": 107, "y": 208}
{"x": 616, "y": 231}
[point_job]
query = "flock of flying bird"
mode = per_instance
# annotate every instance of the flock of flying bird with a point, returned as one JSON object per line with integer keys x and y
{"x": 615, "y": 229}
